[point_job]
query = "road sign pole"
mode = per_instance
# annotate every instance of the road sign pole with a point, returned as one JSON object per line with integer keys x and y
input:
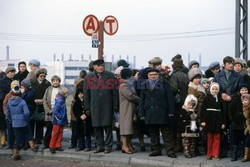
{"x": 101, "y": 40}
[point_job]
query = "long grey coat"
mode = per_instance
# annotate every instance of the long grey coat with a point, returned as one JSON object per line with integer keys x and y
{"x": 128, "y": 105}
{"x": 47, "y": 103}
{"x": 101, "y": 96}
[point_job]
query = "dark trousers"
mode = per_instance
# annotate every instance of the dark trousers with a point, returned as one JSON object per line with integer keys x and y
{"x": 99, "y": 136}
{"x": 26, "y": 138}
{"x": 74, "y": 136}
{"x": 47, "y": 136}
{"x": 167, "y": 135}
{"x": 10, "y": 134}
{"x": 37, "y": 130}
{"x": 247, "y": 143}
{"x": 19, "y": 136}
{"x": 84, "y": 142}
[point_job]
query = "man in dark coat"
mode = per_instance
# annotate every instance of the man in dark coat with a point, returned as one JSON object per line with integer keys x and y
{"x": 229, "y": 82}
{"x": 101, "y": 99}
{"x": 5, "y": 83}
{"x": 156, "y": 106}
{"x": 179, "y": 86}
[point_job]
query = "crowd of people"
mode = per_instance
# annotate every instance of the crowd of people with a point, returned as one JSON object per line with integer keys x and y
{"x": 186, "y": 107}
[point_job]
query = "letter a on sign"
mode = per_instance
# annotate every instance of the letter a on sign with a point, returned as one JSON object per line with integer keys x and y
{"x": 110, "y": 25}
{"x": 90, "y": 25}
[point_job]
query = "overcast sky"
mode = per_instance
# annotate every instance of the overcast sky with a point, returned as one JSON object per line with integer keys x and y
{"x": 147, "y": 28}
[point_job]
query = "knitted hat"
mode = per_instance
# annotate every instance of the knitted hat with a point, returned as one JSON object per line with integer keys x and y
{"x": 155, "y": 61}
{"x": 204, "y": 80}
{"x": 177, "y": 63}
{"x": 26, "y": 83}
{"x": 118, "y": 70}
{"x": 193, "y": 62}
{"x": 214, "y": 65}
{"x": 15, "y": 87}
{"x": 190, "y": 98}
{"x": 214, "y": 84}
{"x": 34, "y": 62}
{"x": 123, "y": 63}
{"x": 14, "y": 84}
{"x": 9, "y": 69}
{"x": 126, "y": 73}
{"x": 41, "y": 71}
{"x": 243, "y": 85}
{"x": 194, "y": 72}
{"x": 240, "y": 61}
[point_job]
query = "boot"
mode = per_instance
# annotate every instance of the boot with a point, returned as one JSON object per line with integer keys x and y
{"x": 246, "y": 156}
{"x": 16, "y": 155}
{"x": 234, "y": 152}
{"x": 33, "y": 146}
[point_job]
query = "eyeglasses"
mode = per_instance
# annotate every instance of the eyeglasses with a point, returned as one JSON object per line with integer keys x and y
{"x": 42, "y": 76}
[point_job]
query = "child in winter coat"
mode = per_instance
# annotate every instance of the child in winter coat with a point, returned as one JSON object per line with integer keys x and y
{"x": 237, "y": 121}
{"x": 188, "y": 117}
{"x": 213, "y": 120}
{"x": 18, "y": 114}
{"x": 59, "y": 119}
{"x": 245, "y": 98}
{"x": 83, "y": 122}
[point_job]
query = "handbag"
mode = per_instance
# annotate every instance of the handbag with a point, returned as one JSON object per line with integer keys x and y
{"x": 189, "y": 134}
{"x": 38, "y": 114}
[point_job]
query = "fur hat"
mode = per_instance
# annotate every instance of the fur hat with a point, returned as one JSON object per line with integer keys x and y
{"x": 118, "y": 70}
{"x": 214, "y": 84}
{"x": 240, "y": 61}
{"x": 9, "y": 69}
{"x": 123, "y": 63}
{"x": 214, "y": 65}
{"x": 190, "y": 98}
{"x": 98, "y": 62}
{"x": 177, "y": 63}
{"x": 26, "y": 83}
{"x": 178, "y": 56}
{"x": 34, "y": 62}
{"x": 245, "y": 96}
{"x": 126, "y": 73}
{"x": 41, "y": 71}
{"x": 155, "y": 61}
{"x": 194, "y": 72}
{"x": 151, "y": 69}
{"x": 193, "y": 62}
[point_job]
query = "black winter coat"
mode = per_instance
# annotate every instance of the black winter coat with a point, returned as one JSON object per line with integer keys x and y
{"x": 184, "y": 120}
{"x": 235, "y": 111}
{"x": 21, "y": 76}
{"x": 212, "y": 114}
{"x": 83, "y": 128}
{"x": 157, "y": 105}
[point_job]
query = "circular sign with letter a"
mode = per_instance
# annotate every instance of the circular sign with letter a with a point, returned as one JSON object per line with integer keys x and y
{"x": 110, "y": 25}
{"x": 90, "y": 25}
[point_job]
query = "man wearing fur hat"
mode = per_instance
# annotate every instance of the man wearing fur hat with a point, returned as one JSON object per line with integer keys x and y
{"x": 179, "y": 86}
{"x": 40, "y": 84}
{"x": 156, "y": 106}
{"x": 239, "y": 65}
{"x": 34, "y": 65}
{"x": 100, "y": 102}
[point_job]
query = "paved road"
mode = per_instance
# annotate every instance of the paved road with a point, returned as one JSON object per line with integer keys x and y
{"x": 28, "y": 161}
